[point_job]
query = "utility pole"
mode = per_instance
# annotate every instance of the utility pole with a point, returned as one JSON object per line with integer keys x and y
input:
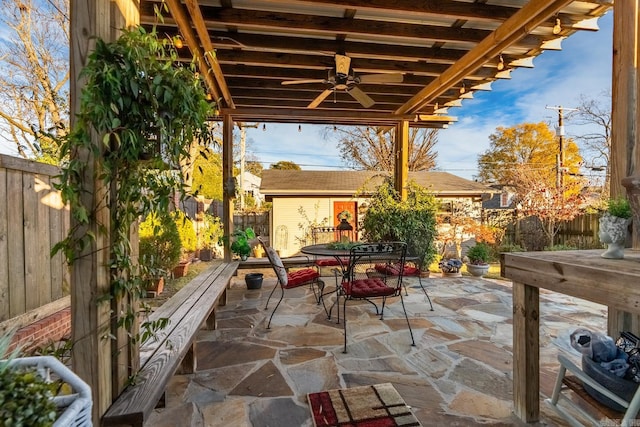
{"x": 560, "y": 135}
{"x": 243, "y": 138}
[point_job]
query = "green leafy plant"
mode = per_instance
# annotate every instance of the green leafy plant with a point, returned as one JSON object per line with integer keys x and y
{"x": 412, "y": 221}
{"x": 187, "y": 233}
{"x": 159, "y": 246}
{"x": 619, "y": 207}
{"x": 140, "y": 114}
{"x": 211, "y": 231}
{"x": 479, "y": 254}
{"x": 25, "y": 397}
{"x": 240, "y": 244}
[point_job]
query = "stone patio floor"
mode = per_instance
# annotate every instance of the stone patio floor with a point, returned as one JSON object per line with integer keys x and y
{"x": 459, "y": 373}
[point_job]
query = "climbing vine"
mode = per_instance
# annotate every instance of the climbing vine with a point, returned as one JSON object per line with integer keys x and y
{"x": 147, "y": 111}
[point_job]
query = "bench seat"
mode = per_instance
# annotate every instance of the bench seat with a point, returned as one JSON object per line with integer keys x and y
{"x": 173, "y": 347}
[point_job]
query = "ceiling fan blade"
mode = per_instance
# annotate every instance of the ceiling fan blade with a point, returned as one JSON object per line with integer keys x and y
{"x": 381, "y": 78}
{"x": 320, "y": 98}
{"x": 361, "y": 97}
{"x": 301, "y": 82}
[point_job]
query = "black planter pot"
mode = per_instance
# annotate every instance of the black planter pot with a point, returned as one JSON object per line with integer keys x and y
{"x": 253, "y": 280}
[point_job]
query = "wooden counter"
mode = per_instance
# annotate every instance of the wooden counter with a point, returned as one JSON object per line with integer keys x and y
{"x": 582, "y": 274}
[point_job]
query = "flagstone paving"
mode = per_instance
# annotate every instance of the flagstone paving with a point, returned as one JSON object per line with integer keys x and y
{"x": 459, "y": 373}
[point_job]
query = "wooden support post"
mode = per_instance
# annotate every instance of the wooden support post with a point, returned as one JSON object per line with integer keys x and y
{"x": 91, "y": 319}
{"x": 401, "y": 153}
{"x": 210, "y": 323}
{"x": 189, "y": 362}
{"x": 228, "y": 182}
{"x": 624, "y": 157}
{"x": 526, "y": 352}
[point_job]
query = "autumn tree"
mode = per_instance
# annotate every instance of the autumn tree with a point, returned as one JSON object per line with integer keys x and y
{"x": 368, "y": 148}
{"x": 207, "y": 174}
{"x": 285, "y": 165}
{"x": 529, "y": 148}
{"x": 34, "y": 76}
{"x": 254, "y": 167}
{"x": 550, "y": 204}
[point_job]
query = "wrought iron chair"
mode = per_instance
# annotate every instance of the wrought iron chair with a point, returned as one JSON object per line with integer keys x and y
{"x": 363, "y": 282}
{"x": 289, "y": 280}
{"x": 413, "y": 266}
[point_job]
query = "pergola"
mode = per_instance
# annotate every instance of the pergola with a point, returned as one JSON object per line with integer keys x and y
{"x": 386, "y": 63}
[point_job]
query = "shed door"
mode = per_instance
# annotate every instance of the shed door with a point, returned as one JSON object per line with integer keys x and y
{"x": 346, "y": 206}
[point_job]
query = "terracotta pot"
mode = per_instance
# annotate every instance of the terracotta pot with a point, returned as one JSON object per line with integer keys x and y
{"x": 424, "y": 274}
{"x": 156, "y": 288}
{"x": 456, "y": 274}
{"x": 181, "y": 269}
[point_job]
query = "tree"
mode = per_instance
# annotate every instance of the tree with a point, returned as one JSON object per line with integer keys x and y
{"x": 529, "y": 148}
{"x": 255, "y": 167}
{"x": 285, "y": 165}
{"x": 369, "y": 148}
{"x": 207, "y": 174}
{"x": 594, "y": 117}
{"x": 550, "y": 205}
{"x": 34, "y": 75}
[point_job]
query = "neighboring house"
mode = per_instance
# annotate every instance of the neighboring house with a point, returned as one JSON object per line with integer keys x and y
{"x": 250, "y": 184}
{"x": 302, "y": 199}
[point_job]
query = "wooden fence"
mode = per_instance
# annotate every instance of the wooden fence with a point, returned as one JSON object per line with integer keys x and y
{"x": 32, "y": 220}
{"x": 580, "y": 233}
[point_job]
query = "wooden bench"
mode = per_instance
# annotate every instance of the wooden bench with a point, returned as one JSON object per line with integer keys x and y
{"x": 173, "y": 348}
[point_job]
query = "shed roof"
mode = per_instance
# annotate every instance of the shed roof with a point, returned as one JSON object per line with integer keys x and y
{"x": 347, "y": 183}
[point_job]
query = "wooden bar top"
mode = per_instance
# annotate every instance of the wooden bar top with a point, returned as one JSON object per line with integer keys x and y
{"x": 580, "y": 273}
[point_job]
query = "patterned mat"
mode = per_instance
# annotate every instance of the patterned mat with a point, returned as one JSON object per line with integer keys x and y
{"x": 377, "y": 405}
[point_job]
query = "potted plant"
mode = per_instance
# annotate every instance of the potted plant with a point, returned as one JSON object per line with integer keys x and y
{"x": 614, "y": 225}
{"x": 450, "y": 267}
{"x": 478, "y": 256}
{"x": 30, "y": 397}
{"x": 241, "y": 244}
{"x": 211, "y": 232}
{"x": 159, "y": 251}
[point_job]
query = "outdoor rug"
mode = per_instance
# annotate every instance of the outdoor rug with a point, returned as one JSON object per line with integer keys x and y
{"x": 377, "y": 405}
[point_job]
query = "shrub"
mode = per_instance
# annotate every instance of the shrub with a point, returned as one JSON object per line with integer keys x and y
{"x": 619, "y": 207}
{"x": 159, "y": 245}
{"x": 412, "y": 221}
{"x": 479, "y": 253}
{"x": 25, "y": 397}
{"x": 211, "y": 231}
{"x": 188, "y": 238}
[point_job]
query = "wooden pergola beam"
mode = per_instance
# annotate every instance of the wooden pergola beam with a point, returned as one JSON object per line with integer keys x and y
{"x": 513, "y": 29}
{"x": 209, "y": 51}
{"x": 175, "y": 8}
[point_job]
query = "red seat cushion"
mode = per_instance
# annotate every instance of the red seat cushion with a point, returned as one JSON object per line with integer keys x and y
{"x": 372, "y": 287}
{"x": 301, "y": 277}
{"x": 394, "y": 269}
{"x": 331, "y": 262}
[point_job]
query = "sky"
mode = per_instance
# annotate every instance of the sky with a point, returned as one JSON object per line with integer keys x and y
{"x": 559, "y": 78}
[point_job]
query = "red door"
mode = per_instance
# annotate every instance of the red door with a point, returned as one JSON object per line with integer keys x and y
{"x": 352, "y": 208}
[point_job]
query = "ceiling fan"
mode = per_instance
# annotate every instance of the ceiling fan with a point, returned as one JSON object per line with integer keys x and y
{"x": 342, "y": 77}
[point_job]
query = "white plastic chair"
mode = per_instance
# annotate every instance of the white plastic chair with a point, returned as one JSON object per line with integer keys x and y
{"x": 563, "y": 383}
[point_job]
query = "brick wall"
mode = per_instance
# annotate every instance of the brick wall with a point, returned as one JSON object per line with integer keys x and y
{"x": 44, "y": 331}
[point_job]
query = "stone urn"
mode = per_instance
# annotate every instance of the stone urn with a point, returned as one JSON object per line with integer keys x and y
{"x": 613, "y": 232}
{"x": 477, "y": 270}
